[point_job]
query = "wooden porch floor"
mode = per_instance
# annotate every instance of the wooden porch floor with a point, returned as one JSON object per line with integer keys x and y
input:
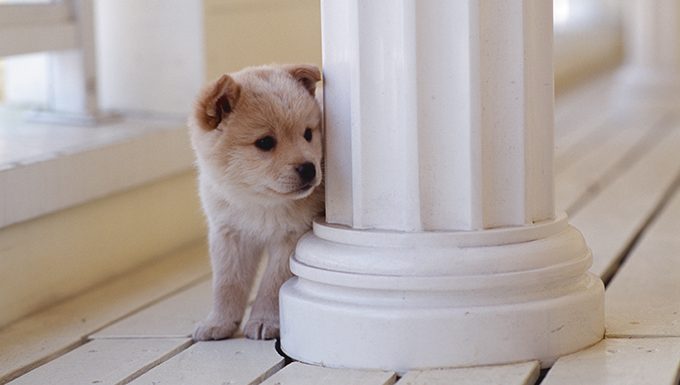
{"x": 617, "y": 172}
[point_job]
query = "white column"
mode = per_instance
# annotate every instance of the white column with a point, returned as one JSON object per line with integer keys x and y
{"x": 441, "y": 246}
{"x": 652, "y": 45}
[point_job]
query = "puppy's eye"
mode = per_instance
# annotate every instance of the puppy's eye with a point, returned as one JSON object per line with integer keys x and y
{"x": 308, "y": 135}
{"x": 265, "y": 143}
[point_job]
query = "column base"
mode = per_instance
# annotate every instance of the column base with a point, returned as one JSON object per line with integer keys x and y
{"x": 404, "y": 301}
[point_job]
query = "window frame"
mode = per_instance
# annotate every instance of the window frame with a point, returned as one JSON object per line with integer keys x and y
{"x": 65, "y": 30}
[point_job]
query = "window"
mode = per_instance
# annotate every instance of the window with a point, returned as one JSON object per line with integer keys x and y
{"x": 149, "y": 67}
{"x": 47, "y": 51}
{"x": 24, "y": 81}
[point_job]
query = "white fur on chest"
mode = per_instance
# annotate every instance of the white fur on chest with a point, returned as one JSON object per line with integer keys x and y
{"x": 226, "y": 211}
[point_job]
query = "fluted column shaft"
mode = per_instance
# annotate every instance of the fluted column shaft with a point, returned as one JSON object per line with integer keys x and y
{"x": 450, "y": 120}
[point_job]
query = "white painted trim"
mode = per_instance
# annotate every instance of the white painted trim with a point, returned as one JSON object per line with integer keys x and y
{"x": 73, "y": 74}
{"x": 67, "y": 179}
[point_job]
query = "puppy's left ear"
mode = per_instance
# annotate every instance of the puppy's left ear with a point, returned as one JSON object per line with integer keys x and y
{"x": 306, "y": 74}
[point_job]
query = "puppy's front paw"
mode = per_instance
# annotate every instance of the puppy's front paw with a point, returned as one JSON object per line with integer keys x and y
{"x": 214, "y": 329}
{"x": 261, "y": 329}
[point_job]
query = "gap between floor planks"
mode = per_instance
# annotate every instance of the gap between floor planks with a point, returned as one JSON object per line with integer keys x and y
{"x": 615, "y": 215}
{"x": 643, "y": 299}
{"x": 607, "y": 160}
{"x": 642, "y": 315}
{"x": 46, "y": 335}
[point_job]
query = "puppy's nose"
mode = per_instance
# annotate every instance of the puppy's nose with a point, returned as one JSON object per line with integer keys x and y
{"x": 307, "y": 171}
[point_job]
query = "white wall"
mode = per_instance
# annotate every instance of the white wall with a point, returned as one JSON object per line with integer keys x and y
{"x": 150, "y": 54}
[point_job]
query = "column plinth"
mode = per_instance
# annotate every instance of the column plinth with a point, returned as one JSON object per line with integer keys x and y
{"x": 441, "y": 246}
{"x": 385, "y": 300}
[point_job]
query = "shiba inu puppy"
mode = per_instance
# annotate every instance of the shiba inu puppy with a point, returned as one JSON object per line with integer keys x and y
{"x": 258, "y": 144}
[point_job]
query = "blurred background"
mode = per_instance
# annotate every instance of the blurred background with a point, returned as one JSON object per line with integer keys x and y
{"x": 142, "y": 47}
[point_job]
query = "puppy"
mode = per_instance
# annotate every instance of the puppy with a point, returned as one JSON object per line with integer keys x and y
{"x": 257, "y": 138}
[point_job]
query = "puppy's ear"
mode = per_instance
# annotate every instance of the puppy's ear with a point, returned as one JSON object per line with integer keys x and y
{"x": 216, "y": 101}
{"x": 306, "y": 74}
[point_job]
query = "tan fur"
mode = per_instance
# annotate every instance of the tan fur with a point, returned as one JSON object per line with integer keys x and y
{"x": 252, "y": 198}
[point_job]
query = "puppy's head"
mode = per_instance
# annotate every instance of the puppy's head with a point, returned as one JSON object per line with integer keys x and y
{"x": 257, "y": 132}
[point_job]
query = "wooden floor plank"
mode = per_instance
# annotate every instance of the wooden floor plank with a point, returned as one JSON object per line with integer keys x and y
{"x": 643, "y": 299}
{"x": 578, "y": 116}
{"x": 578, "y": 139}
{"x": 302, "y": 374}
{"x": 45, "y": 335}
{"x": 516, "y": 374}
{"x": 653, "y": 361}
{"x": 579, "y": 105}
{"x": 624, "y": 142}
{"x": 234, "y": 362}
{"x": 175, "y": 316}
{"x": 104, "y": 362}
{"x": 612, "y": 219}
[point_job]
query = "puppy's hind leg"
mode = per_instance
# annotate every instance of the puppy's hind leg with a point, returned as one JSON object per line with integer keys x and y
{"x": 264, "y": 316}
{"x": 234, "y": 262}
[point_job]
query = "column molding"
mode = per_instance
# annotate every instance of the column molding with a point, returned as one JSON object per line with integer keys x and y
{"x": 441, "y": 246}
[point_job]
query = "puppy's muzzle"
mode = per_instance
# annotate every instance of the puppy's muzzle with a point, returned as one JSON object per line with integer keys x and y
{"x": 306, "y": 172}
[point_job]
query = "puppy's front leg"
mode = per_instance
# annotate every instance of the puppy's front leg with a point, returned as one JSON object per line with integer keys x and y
{"x": 234, "y": 262}
{"x": 264, "y": 316}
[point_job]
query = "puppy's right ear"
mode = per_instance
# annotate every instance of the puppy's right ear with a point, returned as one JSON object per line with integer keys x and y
{"x": 306, "y": 74}
{"x": 216, "y": 102}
